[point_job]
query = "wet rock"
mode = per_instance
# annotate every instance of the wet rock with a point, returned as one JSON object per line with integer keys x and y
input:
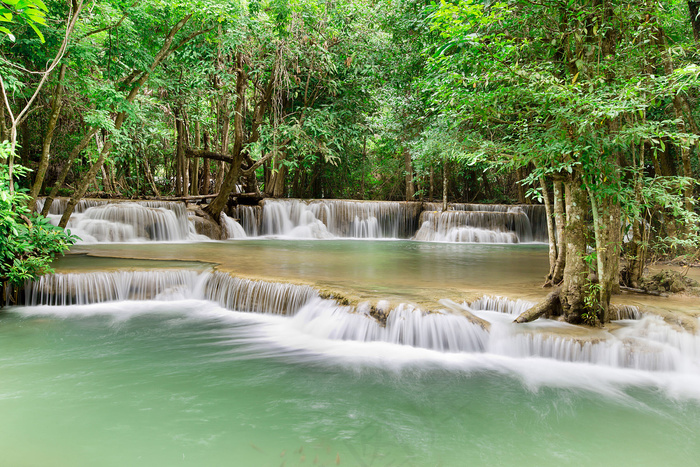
{"x": 204, "y": 225}
{"x": 669, "y": 281}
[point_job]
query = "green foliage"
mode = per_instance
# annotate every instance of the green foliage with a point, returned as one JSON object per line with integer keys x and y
{"x": 30, "y": 242}
{"x": 29, "y": 12}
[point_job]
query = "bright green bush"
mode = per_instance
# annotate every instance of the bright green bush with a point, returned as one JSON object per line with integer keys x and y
{"x": 28, "y": 241}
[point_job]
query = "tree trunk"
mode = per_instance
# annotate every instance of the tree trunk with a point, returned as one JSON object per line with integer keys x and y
{"x": 576, "y": 270}
{"x": 606, "y": 224}
{"x": 694, "y": 10}
{"x": 444, "y": 184}
{"x": 548, "y": 307}
{"x": 408, "y": 169}
{"x": 519, "y": 174}
{"x": 635, "y": 268}
{"x": 560, "y": 223}
{"x": 550, "y": 232}
{"x": 194, "y": 163}
{"x": 56, "y": 105}
{"x": 180, "y": 188}
{"x": 206, "y": 169}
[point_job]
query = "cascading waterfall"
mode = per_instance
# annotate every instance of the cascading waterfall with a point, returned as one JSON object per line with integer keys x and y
{"x": 405, "y": 325}
{"x": 106, "y": 221}
{"x": 229, "y": 292}
{"x": 339, "y": 218}
{"x": 647, "y": 344}
{"x": 145, "y": 221}
{"x": 481, "y": 223}
{"x": 232, "y": 229}
{"x": 249, "y": 218}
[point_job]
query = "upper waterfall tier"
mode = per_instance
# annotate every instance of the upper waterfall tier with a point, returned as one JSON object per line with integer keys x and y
{"x": 339, "y": 218}
{"x": 105, "y": 221}
{"x": 390, "y": 219}
{"x": 483, "y": 223}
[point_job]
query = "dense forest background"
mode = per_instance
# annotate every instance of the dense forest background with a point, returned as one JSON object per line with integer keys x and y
{"x": 587, "y": 106}
{"x": 363, "y": 99}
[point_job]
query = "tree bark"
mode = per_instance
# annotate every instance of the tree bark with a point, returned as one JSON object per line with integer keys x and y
{"x": 408, "y": 169}
{"x": 444, "y": 184}
{"x": 635, "y": 268}
{"x": 548, "y": 307}
{"x": 194, "y": 164}
{"x": 694, "y": 10}
{"x": 560, "y": 223}
{"x": 576, "y": 270}
{"x": 206, "y": 169}
{"x": 549, "y": 211}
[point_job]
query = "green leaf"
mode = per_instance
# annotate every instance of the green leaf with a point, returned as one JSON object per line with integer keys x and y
{"x": 9, "y": 34}
{"x": 38, "y": 33}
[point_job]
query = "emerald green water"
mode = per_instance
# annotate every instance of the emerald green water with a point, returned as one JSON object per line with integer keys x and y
{"x": 186, "y": 383}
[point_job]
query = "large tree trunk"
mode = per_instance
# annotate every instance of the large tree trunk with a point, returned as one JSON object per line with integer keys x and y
{"x": 56, "y": 105}
{"x": 574, "y": 287}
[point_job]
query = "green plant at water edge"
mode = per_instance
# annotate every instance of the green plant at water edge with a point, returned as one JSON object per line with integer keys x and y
{"x": 30, "y": 242}
{"x": 592, "y": 301}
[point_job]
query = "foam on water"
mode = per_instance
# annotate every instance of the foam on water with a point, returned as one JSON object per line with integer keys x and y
{"x": 647, "y": 352}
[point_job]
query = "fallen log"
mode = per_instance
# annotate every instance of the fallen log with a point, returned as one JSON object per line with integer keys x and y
{"x": 546, "y": 307}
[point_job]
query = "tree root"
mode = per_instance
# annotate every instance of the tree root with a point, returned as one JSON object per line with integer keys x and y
{"x": 549, "y": 306}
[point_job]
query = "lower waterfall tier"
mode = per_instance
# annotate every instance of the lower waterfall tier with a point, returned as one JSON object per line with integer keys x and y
{"x": 646, "y": 343}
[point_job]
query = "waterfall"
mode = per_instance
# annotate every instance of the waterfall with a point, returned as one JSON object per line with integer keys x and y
{"x": 231, "y": 228}
{"x": 488, "y": 223}
{"x": 107, "y": 221}
{"x": 339, "y": 218}
{"x": 146, "y": 221}
{"x": 647, "y": 344}
{"x": 405, "y": 325}
{"x": 229, "y": 292}
{"x": 249, "y": 218}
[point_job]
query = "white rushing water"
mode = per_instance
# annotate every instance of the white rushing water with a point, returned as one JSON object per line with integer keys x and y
{"x": 479, "y": 223}
{"x": 338, "y": 218}
{"x": 106, "y": 221}
{"x": 231, "y": 227}
{"x": 647, "y": 344}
